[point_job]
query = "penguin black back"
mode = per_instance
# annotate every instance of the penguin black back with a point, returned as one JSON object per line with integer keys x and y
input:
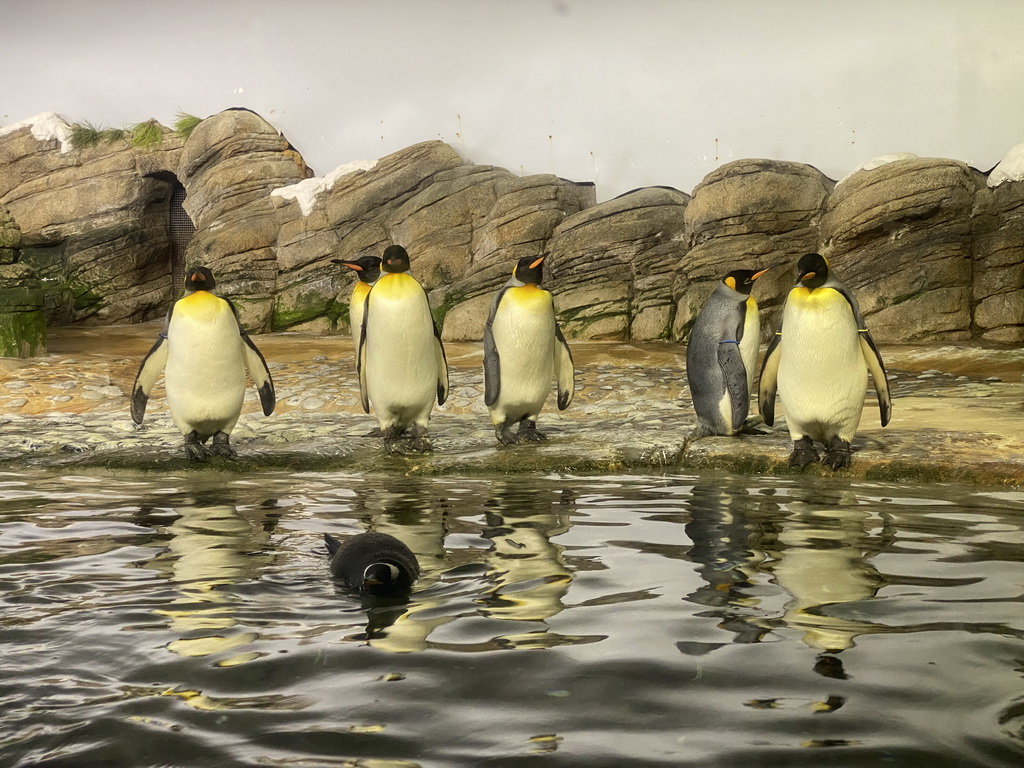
{"x": 373, "y": 563}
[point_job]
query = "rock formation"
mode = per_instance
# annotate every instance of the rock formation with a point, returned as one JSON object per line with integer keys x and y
{"x": 22, "y": 322}
{"x": 932, "y": 247}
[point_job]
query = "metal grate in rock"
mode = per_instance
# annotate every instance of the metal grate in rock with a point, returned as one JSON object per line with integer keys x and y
{"x": 182, "y": 228}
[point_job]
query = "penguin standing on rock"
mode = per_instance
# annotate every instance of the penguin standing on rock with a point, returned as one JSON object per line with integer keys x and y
{"x": 523, "y": 348}
{"x": 819, "y": 362}
{"x": 367, "y": 269}
{"x": 721, "y": 355}
{"x": 205, "y": 353}
{"x": 374, "y": 564}
{"x": 400, "y": 358}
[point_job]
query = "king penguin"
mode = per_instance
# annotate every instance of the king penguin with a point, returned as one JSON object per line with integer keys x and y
{"x": 400, "y": 358}
{"x": 367, "y": 269}
{"x": 819, "y": 361}
{"x": 206, "y": 353}
{"x": 523, "y": 348}
{"x": 721, "y": 355}
{"x": 373, "y": 563}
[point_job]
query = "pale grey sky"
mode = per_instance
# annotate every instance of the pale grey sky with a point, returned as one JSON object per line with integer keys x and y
{"x": 623, "y": 93}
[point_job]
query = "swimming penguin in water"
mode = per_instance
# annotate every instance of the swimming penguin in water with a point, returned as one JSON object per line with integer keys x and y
{"x": 373, "y": 563}
{"x": 367, "y": 269}
{"x": 721, "y": 355}
{"x": 523, "y": 348}
{"x": 400, "y": 358}
{"x": 819, "y": 360}
{"x": 206, "y": 353}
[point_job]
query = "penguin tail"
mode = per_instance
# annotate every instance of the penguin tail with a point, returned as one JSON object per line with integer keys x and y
{"x": 332, "y": 543}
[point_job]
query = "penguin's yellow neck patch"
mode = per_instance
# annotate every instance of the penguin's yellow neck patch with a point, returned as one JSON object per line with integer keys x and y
{"x": 202, "y": 304}
{"x": 805, "y": 297}
{"x": 395, "y": 285}
{"x": 359, "y": 291}
{"x": 751, "y": 303}
{"x": 530, "y": 296}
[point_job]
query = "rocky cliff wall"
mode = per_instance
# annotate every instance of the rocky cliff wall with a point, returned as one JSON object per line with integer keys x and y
{"x": 933, "y": 248}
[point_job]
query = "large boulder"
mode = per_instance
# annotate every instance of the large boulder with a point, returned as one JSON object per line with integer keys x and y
{"x": 93, "y": 222}
{"x": 899, "y": 235}
{"x": 614, "y": 264}
{"x": 998, "y": 284}
{"x": 229, "y": 166}
{"x": 463, "y": 225}
{"x": 748, "y": 214}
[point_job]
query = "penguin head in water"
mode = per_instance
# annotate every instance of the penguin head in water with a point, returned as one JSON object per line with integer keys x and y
{"x": 742, "y": 280}
{"x": 367, "y": 268}
{"x": 530, "y": 269}
{"x": 812, "y": 271}
{"x": 199, "y": 279}
{"x": 382, "y": 579}
{"x": 395, "y": 259}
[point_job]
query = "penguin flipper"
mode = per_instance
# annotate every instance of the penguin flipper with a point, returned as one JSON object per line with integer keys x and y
{"x": 149, "y": 371}
{"x": 492, "y": 368}
{"x": 364, "y": 397}
{"x": 442, "y": 367}
{"x": 257, "y": 366}
{"x": 735, "y": 376}
{"x": 565, "y": 372}
{"x": 332, "y": 544}
{"x": 874, "y": 360}
{"x": 769, "y": 380}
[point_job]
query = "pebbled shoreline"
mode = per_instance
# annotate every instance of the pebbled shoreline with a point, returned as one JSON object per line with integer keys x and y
{"x": 958, "y": 415}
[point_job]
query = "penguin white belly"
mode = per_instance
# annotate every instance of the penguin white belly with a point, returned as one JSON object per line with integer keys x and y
{"x": 401, "y": 367}
{"x": 205, "y": 373}
{"x": 822, "y": 376}
{"x": 750, "y": 344}
{"x": 524, "y": 335}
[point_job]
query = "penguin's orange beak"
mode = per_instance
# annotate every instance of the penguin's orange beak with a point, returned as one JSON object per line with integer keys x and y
{"x": 758, "y": 274}
{"x": 808, "y": 276}
{"x": 538, "y": 262}
{"x": 198, "y": 277}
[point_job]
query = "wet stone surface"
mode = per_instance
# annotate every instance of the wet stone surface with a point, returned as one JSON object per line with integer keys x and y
{"x": 958, "y": 414}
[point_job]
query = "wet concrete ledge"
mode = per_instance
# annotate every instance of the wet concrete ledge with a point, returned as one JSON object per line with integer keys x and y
{"x": 958, "y": 416}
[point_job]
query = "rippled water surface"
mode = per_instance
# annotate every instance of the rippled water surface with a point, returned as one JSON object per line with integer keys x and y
{"x": 564, "y": 621}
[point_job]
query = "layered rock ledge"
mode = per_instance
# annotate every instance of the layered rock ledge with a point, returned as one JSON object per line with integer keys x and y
{"x": 958, "y": 415}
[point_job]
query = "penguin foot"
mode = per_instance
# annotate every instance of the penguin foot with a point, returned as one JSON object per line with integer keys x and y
{"x": 222, "y": 446}
{"x": 397, "y": 446}
{"x": 528, "y": 432}
{"x": 194, "y": 448}
{"x": 750, "y": 427}
{"x": 504, "y": 434}
{"x": 803, "y": 453}
{"x": 196, "y": 452}
{"x": 838, "y": 454}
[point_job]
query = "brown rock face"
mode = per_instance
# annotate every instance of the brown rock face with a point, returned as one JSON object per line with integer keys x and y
{"x": 900, "y": 237}
{"x": 998, "y": 266}
{"x": 748, "y": 214}
{"x": 93, "y": 225}
{"x": 229, "y": 165}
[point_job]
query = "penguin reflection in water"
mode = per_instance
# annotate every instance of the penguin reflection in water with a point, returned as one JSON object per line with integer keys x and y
{"x": 819, "y": 362}
{"x": 523, "y": 348}
{"x": 400, "y": 358}
{"x": 721, "y": 355}
{"x": 373, "y": 563}
{"x": 206, "y": 353}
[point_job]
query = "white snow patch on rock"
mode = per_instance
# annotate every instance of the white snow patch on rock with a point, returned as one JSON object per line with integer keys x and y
{"x": 307, "y": 190}
{"x": 47, "y": 126}
{"x": 1010, "y": 168}
{"x": 878, "y": 162}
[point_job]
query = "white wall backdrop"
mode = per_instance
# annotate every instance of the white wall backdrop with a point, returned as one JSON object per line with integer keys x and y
{"x": 625, "y": 93}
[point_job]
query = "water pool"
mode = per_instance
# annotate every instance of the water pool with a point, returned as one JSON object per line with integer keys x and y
{"x": 635, "y": 620}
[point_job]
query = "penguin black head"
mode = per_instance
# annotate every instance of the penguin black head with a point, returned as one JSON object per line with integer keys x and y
{"x": 199, "y": 279}
{"x": 396, "y": 259}
{"x": 382, "y": 579}
{"x": 812, "y": 271}
{"x": 530, "y": 269}
{"x": 367, "y": 268}
{"x": 742, "y": 280}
